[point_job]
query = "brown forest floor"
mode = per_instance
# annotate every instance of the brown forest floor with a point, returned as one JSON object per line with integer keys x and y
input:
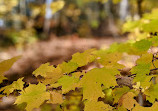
{"x": 55, "y": 51}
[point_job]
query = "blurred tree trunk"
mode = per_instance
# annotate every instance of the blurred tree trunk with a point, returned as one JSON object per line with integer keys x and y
{"x": 139, "y": 5}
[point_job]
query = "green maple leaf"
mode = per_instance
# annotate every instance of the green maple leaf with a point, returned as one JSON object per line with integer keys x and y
{"x": 129, "y": 48}
{"x": 6, "y": 65}
{"x": 118, "y": 92}
{"x": 143, "y": 45}
{"x": 34, "y": 96}
{"x": 151, "y": 26}
{"x": 92, "y": 81}
{"x": 18, "y": 85}
{"x": 109, "y": 60}
{"x": 152, "y": 93}
{"x": 68, "y": 83}
{"x": 53, "y": 76}
{"x": 154, "y": 41}
{"x": 141, "y": 69}
{"x": 50, "y": 73}
{"x": 97, "y": 106}
{"x": 43, "y": 70}
{"x": 145, "y": 58}
{"x": 145, "y": 81}
{"x": 84, "y": 58}
{"x": 68, "y": 67}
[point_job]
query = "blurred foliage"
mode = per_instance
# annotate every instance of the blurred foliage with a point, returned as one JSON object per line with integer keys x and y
{"x": 145, "y": 27}
{"x": 24, "y": 21}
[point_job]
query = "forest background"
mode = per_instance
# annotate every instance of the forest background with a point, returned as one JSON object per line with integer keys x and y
{"x": 53, "y": 30}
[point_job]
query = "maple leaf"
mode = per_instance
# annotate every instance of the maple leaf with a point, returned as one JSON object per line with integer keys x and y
{"x": 120, "y": 109}
{"x": 141, "y": 108}
{"x": 128, "y": 101}
{"x": 6, "y": 65}
{"x": 92, "y": 81}
{"x": 152, "y": 93}
{"x": 53, "y": 76}
{"x": 55, "y": 98}
{"x": 141, "y": 69}
{"x": 84, "y": 58}
{"x": 119, "y": 92}
{"x": 145, "y": 81}
{"x": 126, "y": 47}
{"x": 18, "y": 85}
{"x": 68, "y": 67}
{"x": 154, "y": 41}
{"x": 151, "y": 26}
{"x": 97, "y": 106}
{"x": 109, "y": 60}
{"x": 33, "y": 95}
{"x": 43, "y": 70}
{"x": 143, "y": 45}
{"x": 68, "y": 83}
{"x": 78, "y": 74}
{"x": 145, "y": 58}
{"x": 50, "y": 73}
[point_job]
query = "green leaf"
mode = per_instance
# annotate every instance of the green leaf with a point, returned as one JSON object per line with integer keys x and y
{"x": 118, "y": 92}
{"x": 143, "y": 45}
{"x": 97, "y": 106}
{"x": 6, "y": 65}
{"x": 84, "y": 58}
{"x": 53, "y": 76}
{"x": 34, "y": 96}
{"x": 152, "y": 26}
{"x": 16, "y": 85}
{"x": 68, "y": 67}
{"x": 109, "y": 60}
{"x": 43, "y": 70}
{"x": 49, "y": 73}
{"x": 152, "y": 93}
{"x": 141, "y": 69}
{"x": 68, "y": 83}
{"x": 130, "y": 26}
{"x": 145, "y": 81}
{"x": 145, "y": 59}
{"x": 154, "y": 41}
{"x": 92, "y": 81}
